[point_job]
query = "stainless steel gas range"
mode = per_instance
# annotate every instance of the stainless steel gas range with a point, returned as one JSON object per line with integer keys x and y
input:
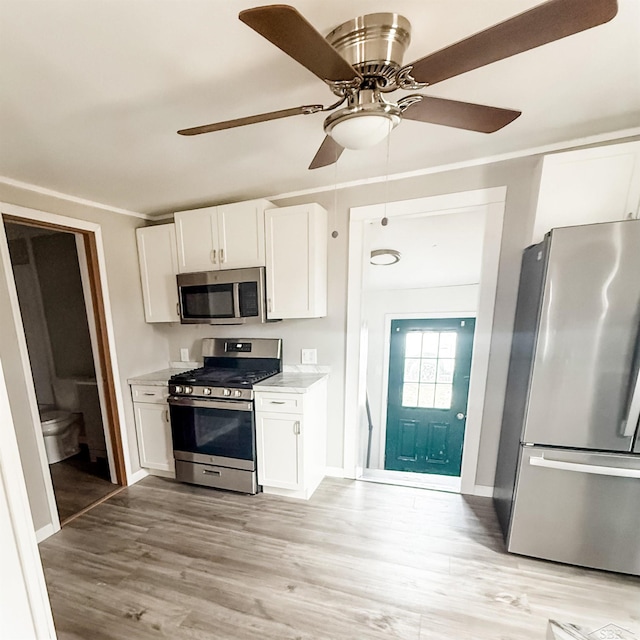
{"x": 212, "y": 412}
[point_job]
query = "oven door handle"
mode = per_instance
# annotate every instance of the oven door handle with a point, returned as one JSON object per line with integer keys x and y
{"x": 233, "y": 405}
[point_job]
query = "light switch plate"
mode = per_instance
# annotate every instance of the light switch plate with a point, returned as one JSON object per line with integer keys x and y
{"x": 309, "y": 356}
{"x": 184, "y": 355}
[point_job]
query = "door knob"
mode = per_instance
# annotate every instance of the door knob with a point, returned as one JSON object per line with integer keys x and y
{"x": 460, "y": 416}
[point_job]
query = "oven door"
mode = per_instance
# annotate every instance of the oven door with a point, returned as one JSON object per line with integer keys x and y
{"x": 215, "y": 432}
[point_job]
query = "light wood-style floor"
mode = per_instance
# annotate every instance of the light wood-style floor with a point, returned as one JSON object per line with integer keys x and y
{"x": 358, "y": 561}
{"x": 77, "y": 483}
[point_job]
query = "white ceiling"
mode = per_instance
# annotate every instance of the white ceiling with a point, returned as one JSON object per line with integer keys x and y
{"x": 93, "y": 92}
{"x": 436, "y": 251}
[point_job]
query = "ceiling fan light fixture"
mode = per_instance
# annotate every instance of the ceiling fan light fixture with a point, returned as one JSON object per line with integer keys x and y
{"x": 363, "y": 130}
{"x": 384, "y": 257}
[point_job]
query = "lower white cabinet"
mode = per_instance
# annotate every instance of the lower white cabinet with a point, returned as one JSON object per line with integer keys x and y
{"x": 153, "y": 429}
{"x": 291, "y": 435}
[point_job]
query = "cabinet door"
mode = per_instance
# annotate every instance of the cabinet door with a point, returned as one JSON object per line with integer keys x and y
{"x": 154, "y": 436}
{"x": 241, "y": 234}
{"x": 158, "y": 267}
{"x": 296, "y": 241}
{"x": 279, "y": 450}
{"x": 197, "y": 240}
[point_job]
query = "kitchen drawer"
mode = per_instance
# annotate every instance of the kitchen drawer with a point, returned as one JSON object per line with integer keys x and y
{"x": 149, "y": 393}
{"x": 279, "y": 402}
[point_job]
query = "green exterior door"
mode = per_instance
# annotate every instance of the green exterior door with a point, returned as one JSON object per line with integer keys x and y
{"x": 429, "y": 369}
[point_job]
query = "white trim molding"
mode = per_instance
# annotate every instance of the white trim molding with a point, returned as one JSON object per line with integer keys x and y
{"x": 483, "y": 491}
{"x": 21, "y": 565}
{"x": 69, "y": 198}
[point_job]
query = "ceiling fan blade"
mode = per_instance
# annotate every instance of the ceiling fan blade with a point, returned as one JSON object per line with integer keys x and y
{"x": 262, "y": 117}
{"x": 328, "y": 153}
{"x": 545, "y": 23}
{"x": 285, "y": 27}
{"x": 462, "y": 115}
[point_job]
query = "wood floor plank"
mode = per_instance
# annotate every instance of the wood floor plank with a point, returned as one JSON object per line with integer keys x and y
{"x": 358, "y": 561}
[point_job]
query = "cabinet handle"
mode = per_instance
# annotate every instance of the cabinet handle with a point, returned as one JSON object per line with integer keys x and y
{"x": 222, "y": 256}
{"x": 166, "y": 415}
{"x": 296, "y": 427}
{"x": 148, "y": 393}
{"x": 213, "y": 256}
{"x": 269, "y": 305}
{"x": 178, "y": 309}
{"x": 277, "y": 402}
{"x": 211, "y": 472}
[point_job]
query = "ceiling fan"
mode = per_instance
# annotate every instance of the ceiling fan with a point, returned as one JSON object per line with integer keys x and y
{"x": 361, "y": 61}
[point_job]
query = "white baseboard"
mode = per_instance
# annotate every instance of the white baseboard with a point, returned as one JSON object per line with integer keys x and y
{"x": 137, "y": 476}
{"x": 334, "y": 472}
{"x": 483, "y": 490}
{"x": 44, "y": 532}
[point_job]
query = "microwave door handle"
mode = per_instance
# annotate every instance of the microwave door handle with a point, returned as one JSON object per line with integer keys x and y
{"x": 236, "y": 300}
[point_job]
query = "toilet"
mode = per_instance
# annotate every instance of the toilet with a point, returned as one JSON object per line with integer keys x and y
{"x": 60, "y": 430}
{"x": 61, "y": 423}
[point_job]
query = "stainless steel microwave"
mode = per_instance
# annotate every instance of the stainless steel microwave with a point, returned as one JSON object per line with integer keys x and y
{"x": 234, "y": 296}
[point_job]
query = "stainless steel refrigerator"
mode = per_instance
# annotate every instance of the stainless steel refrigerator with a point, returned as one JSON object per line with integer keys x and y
{"x": 568, "y": 473}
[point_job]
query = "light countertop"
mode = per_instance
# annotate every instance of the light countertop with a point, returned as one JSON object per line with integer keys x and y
{"x": 290, "y": 382}
{"x": 157, "y": 378}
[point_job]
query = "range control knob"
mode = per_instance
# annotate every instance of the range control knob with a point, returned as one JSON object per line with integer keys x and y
{"x": 188, "y": 389}
{"x": 206, "y": 391}
{"x": 177, "y": 389}
{"x": 226, "y": 392}
{"x": 237, "y": 393}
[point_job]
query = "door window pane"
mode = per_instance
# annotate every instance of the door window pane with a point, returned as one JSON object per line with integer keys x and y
{"x": 428, "y": 370}
{"x": 430, "y": 344}
{"x": 410, "y": 394}
{"x": 443, "y": 396}
{"x": 412, "y": 370}
{"x": 426, "y": 395}
{"x": 445, "y": 370}
{"x": 412, "y": 344}
{"x": 429, "y": 367}
{"x": 447, "y": 344}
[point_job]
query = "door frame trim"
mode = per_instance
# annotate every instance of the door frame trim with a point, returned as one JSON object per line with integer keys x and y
{"x": 108, "y": 373}
{"x": 493, "y": 199}
{"x": 388, "y": 318}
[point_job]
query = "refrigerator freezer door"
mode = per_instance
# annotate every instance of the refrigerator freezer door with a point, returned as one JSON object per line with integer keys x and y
{"x": 583, "y": 369}
{"x": 579, "y": 508}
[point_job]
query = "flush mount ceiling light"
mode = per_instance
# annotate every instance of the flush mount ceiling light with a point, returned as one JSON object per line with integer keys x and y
{"x": 384, "y": 257}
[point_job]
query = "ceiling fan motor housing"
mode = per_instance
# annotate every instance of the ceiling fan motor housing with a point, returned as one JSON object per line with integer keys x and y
{"x": 374, "y": 44}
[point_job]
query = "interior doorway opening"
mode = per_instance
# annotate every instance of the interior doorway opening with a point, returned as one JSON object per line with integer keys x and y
{"x": 447, "y": 270}
{"x": 61, "y": 309}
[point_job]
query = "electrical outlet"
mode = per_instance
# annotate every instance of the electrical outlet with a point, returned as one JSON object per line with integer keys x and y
{"x": 184, "y": 355}
{"x": 309, "y": 356}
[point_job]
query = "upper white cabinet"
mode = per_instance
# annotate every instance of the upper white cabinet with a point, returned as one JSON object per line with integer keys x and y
{"x": 223, "y": 237}
{"x": 296, "y": 243}
{"x": 600, "y": 184}
{"x": 158, "y": 267}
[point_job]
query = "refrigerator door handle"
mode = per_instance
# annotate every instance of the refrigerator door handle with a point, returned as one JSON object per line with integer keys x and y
{"x": 630, "y": 423}
{"x": 618, "y": 472}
